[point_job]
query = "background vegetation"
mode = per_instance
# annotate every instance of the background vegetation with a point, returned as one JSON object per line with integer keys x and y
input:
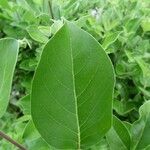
{"x": 122, "y": 27}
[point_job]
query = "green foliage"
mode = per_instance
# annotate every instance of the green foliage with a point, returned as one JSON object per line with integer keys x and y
{"x": 122, "y": 27}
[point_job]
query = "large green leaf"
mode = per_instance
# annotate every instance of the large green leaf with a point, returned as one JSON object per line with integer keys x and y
{"x": 141, "y": 128}
{"x": 8, "y": 52}
{"x": 118, "y": 136}
{"x": 71, "y": 100}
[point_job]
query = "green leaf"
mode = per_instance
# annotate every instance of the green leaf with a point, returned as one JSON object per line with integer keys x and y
{"x": 102, "y": 145}
{"x": 9, "y": 53}
{"x": 30, "y": 132}
{"x": 33, "y": 139}
{"x": 145, "y": 92}
{"x": 141, "y": 128}
{"x": 56, "y": 26}
{"x": 24, "y": 104}
{"x": 127, "y": 125}
{"x": 145, "y": 79}
{"x": 109, "y": 39}
{"x": 46, "y": 30}
{"x": 123, "y": 107}
{"x": 145, "y": 25}
{"x": 5, "y": 4}
{"x": 147, "y": 148}
{"x": 36, "y": 34}
{"x": 132, "y": 25}
{"x": 24, "y": 118}
{"x": 28, "y": 64}
{"x": 118, "y": 136}
{"x": 71, "y": 99}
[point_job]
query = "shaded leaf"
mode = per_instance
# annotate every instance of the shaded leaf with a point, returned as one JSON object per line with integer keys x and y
{"x": 28, "y": 64}
{"x": 123, "y": 107}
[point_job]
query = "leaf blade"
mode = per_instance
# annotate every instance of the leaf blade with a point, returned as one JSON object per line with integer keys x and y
{"x": 140, "y": 128}
{"x": 68, "y": 69}
{"x": 8, "y": 49}
{"x": 118, "y": 136}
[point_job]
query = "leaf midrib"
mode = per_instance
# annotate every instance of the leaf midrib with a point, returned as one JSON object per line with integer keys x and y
{"x": 74, "y": 89}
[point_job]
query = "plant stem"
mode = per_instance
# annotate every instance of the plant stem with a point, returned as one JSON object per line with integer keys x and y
{"x": 6, "y": 137}
{"x": 50, "y": 8}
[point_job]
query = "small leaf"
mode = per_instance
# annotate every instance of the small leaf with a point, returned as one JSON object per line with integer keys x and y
{"x": 123, "y": 107}
{"x": 56, "y": 26}
{"x": 145, "y": 25}
{"x": 118, "y": 136}
{"x": 36, "y": 34}
{"x": 30, "y": 132}
{"x": 71, "y": 99}
{"x": 46, "y": 30}
{"x": 132, "y": 25}
{"x": 145, "y": 79}
{"x": 141, "y": 128}
{"x": 102, "y": 145}
{"x": 28, "y": 64}
{"x": 109, "y": 39}
{"x": 33, "y": 139}
{"x": 9, "y": 53}
{"x": 24, "y": 104}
